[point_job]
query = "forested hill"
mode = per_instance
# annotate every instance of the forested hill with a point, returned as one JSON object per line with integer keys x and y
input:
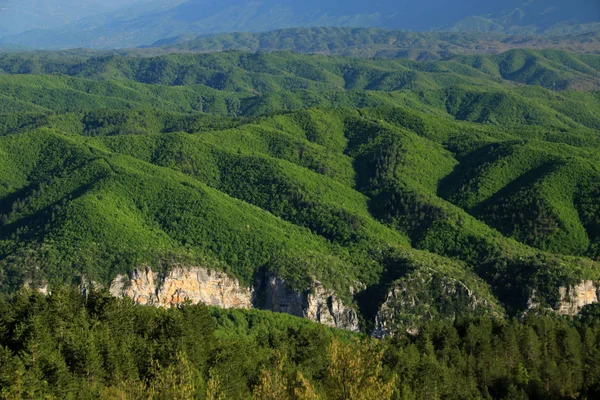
{"x": 374, "y": 42}
{"x": 367, "y": 174}
{"x": 270, "y": 73}
{"x": 449, "y": 208}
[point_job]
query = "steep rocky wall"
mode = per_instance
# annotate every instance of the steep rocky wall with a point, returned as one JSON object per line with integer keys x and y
{"x": 197, "y": 285}
{"x": 571, "y": 300}
{"x": 410, "y": 301}
{"x": 423, "y": 296}
{"x": 317, "y": 304}
{"x": 574, "y": 298}
{"x": 200, "y": 285}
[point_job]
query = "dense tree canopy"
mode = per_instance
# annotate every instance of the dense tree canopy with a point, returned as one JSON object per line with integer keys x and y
{"x": 67, "y": 346}
{"x": 459, "y": 196}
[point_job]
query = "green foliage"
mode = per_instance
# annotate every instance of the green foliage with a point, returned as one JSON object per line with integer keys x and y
{"x": 68, "y": 346}
{"x": 439, "y": 196}
{"x": 111, "y": 163}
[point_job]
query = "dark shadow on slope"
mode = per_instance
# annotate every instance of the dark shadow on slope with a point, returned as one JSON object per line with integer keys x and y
{"x": 471, "y": 164}
{"x": 525, "y": 180}
{"x": 370, "y": 300}
{"x": 34, "y": 224}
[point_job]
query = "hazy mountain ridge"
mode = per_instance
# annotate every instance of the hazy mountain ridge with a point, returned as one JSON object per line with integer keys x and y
{"x": 373, "y": 42}
{"x": 206, "y": 17}
{"x": 23, "y": 15}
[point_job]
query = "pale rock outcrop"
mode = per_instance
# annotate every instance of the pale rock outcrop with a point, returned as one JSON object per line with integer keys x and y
{"x": 87, "y": 286}
{"x": 574, "y": 298}
{"x": 197, "y": 285}
{"x": 41, "y": 287}
{"x": 44, "y": 289}
{"x": 571, "y": 301}
{"x": 323, "y": 306}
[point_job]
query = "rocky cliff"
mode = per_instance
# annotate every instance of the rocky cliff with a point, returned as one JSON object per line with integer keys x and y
{"x": 199, "y": 285}
{"x": 423, "y": 296}
{"x": 571, "y": 299}
{"x": 317, "y": 304}
{"x": 410, "y": 301}
{"x": 574, "y": 298}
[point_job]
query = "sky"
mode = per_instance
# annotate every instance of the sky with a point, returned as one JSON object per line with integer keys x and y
{"x": 18, "y": 16}
{"x": 22, "y": 15}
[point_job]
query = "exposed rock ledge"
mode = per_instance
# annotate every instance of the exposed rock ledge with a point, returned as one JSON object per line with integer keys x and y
{"x": 423, "y": 296}
{"x": 574, "y": 298}
{"x": 317, "y": 304}
{"x": 199, "y": 285}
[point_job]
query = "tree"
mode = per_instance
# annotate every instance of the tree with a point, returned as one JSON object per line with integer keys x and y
{"x": 213, "y": 389}
{"x": 356, "y": 372}
{"x": 174, "y": 382}
{"x": 273, "y": 385}
{"x": 303, "y": 389}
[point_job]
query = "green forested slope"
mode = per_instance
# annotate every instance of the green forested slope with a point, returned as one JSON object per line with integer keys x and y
{"x": 262, "y": 73}
{"x": 451, "y": 195}
{"x": 357, "y": 173}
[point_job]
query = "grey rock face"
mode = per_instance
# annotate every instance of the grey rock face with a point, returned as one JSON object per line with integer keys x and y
{"x": 317, "y": 304}
{"x": 424, "y": 296}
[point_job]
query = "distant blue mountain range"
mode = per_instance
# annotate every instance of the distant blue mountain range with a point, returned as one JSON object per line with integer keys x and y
{"x": 17, "y": 16}
{"x": 146, "y": 22}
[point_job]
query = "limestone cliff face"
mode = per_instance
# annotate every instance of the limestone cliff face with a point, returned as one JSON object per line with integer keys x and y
{"x": 424, "y": 296}
{"x": 317, "y": 304}
{"x": 574, "y": 298}
{"x": 197, "y": 285}
{"x": 571, "y": 299}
